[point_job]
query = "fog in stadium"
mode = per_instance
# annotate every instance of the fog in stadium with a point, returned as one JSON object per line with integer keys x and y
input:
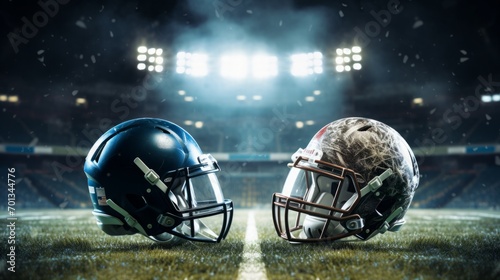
{"x": 252, "y": 82}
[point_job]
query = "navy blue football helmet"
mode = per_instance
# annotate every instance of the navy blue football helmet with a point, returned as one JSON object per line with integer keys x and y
{"x": 149, "y": 176}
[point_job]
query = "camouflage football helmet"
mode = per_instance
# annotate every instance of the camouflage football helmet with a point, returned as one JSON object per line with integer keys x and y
{"x": 356, "y": 177}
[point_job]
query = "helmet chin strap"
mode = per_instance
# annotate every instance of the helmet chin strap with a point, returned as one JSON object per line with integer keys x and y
{"x": 150, "y": 175}
{"x": 376, "y": 182}
{"x": 389, "y": 224}
{"x": 131, "y": 221}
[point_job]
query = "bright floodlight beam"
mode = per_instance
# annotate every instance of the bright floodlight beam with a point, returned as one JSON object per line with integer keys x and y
{"x": 234, "y": 66}
{"x": 180, "y": 63}
{"x": 486, "y": 98}
{"x": 305, "y": 64}
{"x": 150, "y": 59}
{"x": 264, "y": 66}
{"x": 199, "y": 64}
{"x": 348, "y": 59}
{"x": 317, "y": 59}
{"x": 300, "y": 65}
{"x": 356, "y": 49}
{"x": 194, "y": 64}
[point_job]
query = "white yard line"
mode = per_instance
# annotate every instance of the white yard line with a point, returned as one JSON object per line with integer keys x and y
{"x": 252, "y": 266}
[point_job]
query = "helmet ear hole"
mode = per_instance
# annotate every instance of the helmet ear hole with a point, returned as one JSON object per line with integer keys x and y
{"x": 136, "y": 200}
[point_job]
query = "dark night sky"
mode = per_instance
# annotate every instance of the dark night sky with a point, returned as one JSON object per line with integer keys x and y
{"x": 433, "y": 48}
{"x": 109, "y": 30}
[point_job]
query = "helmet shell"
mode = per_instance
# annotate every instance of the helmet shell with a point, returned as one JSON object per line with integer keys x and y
{"x": 112, "y": 173}
{"x": 369, "y": 147}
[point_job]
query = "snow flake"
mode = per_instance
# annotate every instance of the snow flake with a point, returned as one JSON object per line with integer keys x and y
{"x": 81, "y": 24}
{"x": 417, "y": 24}
{"x": 405, "y": 59}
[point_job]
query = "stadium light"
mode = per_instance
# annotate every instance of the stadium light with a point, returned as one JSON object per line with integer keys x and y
{"x": 305, "y": 64}
{"x": 234, "y": 66}
{"x": 13, "y": 99}
{"x": 348, "y": 59}
{"x": 264, "y": 66}
{"x": 80, "y": 101}
{"x": 418, "y": 101}
{"x": 198, "y": 124}
{"x": 194, "y": 64}
{"x": 487, "y": 98}
{"x": 150, "y": 59}
{"x": 309, "y": 98}
{"x": 9, "y": 98}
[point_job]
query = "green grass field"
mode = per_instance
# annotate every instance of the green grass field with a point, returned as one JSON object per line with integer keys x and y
{"x": 434, "y": 244}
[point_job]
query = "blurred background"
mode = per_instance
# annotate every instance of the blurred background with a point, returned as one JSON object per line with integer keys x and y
{"x": 252, "y": 81}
